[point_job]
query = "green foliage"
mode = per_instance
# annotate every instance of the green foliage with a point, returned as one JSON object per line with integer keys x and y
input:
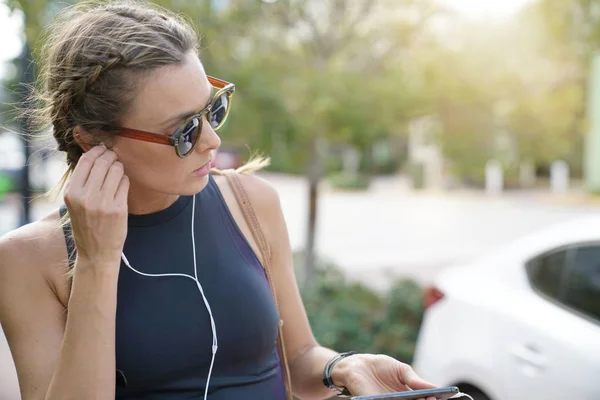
{"x": 6, "y": 185}
{"x": 348, "y": 315}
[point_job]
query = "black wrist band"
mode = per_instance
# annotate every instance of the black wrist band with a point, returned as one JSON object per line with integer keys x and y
{"x": 327, "y": 381}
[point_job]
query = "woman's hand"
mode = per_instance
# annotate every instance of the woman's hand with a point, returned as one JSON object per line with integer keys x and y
{"x": 368, "y": 374}
{"x": 96, "y": 197}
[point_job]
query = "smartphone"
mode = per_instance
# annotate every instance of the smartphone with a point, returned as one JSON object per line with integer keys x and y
{"x": 439, "y": 393}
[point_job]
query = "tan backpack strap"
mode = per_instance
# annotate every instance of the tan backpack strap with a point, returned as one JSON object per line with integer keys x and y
{"x": 258, "y": 235}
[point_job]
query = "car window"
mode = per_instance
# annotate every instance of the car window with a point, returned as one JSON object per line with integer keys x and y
{"x": 582, "y": 288}
{"x": 545, "y": 272}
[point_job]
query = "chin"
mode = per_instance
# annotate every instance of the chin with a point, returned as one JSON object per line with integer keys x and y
{"x": 195, "y": 186}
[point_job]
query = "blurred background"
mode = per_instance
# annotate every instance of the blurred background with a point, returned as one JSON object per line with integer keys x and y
{"x": 437, "y": 160}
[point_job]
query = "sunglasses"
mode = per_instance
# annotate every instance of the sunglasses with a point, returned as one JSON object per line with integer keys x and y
{"x": 185, "y": 138}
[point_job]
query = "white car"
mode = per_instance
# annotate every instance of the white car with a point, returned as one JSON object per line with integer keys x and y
{"x": 522, "y": 323}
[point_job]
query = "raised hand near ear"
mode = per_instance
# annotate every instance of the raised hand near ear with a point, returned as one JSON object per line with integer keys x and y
{"x": 96, "y": 197}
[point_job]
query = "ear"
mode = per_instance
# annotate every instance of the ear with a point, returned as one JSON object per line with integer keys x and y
{"x": 84, "y": 139}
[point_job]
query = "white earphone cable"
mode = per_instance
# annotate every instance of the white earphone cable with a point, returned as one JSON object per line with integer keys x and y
{"x": 195, "y": 279}
{"x": 461, "y": 396}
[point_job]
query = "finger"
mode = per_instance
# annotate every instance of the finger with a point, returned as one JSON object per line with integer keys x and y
{"x": 99, "y": 170}
{"x": 112, "y": 180}
{"x": 122, "y": 190}
{"x": 412, "y": 380}
{"x": 84, "y": 166}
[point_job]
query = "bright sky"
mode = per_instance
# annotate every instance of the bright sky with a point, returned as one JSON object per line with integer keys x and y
{"x": 10, "y": 27}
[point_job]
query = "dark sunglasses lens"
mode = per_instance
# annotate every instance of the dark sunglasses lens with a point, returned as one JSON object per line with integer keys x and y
{"x": 189, "y": 136}
{"x": 219, "y": 111}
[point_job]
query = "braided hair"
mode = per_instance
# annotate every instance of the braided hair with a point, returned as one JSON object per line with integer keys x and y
{"x": 93, "y": 57}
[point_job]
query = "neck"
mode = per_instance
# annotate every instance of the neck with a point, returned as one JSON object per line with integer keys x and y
{"x": 142, "y": 201}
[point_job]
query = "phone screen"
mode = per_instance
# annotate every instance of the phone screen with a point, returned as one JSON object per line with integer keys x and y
{"x": 439, "y": 393}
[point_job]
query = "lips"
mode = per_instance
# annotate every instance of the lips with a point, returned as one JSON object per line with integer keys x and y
{"x": 203, "y": 170}
{"x": 209, "y": 164}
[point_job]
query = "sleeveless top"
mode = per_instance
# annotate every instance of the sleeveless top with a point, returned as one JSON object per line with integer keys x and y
{"x": 163, "y": 334}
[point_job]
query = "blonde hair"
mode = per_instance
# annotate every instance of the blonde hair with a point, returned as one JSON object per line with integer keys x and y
{"x": 93, "y": 56}
{"x": 255, "y": 163}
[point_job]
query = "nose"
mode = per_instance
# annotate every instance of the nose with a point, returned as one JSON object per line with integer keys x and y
{"x": 209, "y": 139}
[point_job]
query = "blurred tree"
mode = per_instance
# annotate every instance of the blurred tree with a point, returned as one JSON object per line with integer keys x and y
{"x": 555, "y": 109}
{"x": 35, "y": 14}
{"x": 548, "y": 125}
{"x": 460, "y": 85}
{"x": 332, "y": 56}
{"x": 509, "y": 90}
{"x": 572, "y": 27}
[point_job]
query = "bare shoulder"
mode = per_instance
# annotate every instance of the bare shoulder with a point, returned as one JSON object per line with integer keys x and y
{"x": 30, "y": 242}
{"x": 35, "y": 250}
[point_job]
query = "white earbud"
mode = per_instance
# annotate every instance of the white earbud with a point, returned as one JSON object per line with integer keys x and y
{"x": 213, "y": 327}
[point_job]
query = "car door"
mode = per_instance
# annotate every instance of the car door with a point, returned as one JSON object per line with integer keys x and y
{"x": 554, "y": 348}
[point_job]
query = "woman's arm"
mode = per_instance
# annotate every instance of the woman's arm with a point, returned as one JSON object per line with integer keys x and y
{"x": 85, "y": 368}
{"x": 57, "y": 355}
{"x": 68, "y": 355}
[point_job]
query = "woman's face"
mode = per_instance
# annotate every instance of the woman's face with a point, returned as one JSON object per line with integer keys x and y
{"x": 162, "y": 96}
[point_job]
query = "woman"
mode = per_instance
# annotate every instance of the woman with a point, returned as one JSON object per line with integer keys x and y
{"x": 158, "y": 292}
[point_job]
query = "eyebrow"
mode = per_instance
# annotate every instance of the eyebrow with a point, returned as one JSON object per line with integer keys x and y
{"x": 187, "y": 114}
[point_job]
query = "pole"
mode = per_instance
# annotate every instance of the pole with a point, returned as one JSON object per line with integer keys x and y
{"x": 27, "y": 78}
